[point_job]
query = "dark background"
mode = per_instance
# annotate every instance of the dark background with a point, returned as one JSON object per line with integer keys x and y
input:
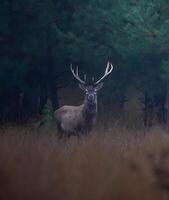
{"x": 39, "y": 39}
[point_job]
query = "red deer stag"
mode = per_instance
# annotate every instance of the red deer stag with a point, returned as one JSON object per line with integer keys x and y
{"x": 72, "y": 120}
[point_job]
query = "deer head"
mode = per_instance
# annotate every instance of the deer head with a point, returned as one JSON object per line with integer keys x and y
{"x": 91, "y": 89}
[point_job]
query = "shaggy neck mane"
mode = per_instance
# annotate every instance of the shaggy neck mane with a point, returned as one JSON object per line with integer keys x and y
{"x": 89, "y": 110}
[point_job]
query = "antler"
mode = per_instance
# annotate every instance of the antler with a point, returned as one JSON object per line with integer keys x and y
{"x": 76, "y": 75}
{"x": 108, "y": 70}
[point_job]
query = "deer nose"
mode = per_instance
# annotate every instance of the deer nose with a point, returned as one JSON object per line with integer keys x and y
{"x": 91, "y": 97}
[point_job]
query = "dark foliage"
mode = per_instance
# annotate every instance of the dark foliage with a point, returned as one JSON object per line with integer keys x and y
{"x": 39, "y": 40}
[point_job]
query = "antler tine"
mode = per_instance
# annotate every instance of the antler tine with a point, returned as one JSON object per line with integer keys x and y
{"x": 85, "y": 77}
{"x": 108, "y": 70}
{"x": 76, "y": 74}
{"x": 77, "y": 71}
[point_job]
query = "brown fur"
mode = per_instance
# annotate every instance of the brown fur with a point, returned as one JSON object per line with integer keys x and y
{"x": 72, "y": 120}
{"x": 69, "y": 119}
{"x": 75, "y": 119}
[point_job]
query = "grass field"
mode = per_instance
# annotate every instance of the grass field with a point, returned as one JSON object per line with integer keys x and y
{"x": 116, "y": 164}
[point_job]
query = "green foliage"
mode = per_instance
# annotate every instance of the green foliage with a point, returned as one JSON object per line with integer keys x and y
{"x": 165, "y": 70}
{"x": 47, "y": 115}
{"x": 40, "y": 38}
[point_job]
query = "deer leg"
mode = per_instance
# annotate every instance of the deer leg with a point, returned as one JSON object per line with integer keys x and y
{"x": 60, "y": 132}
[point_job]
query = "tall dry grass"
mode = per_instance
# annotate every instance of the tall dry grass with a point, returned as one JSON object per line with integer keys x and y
{"x": 116, "y": 164}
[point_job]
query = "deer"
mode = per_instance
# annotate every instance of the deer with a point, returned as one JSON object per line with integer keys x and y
{"x": 76, "y": 120}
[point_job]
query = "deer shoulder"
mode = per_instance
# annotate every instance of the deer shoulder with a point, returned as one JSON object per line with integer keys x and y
{"x": 69, "y": 118}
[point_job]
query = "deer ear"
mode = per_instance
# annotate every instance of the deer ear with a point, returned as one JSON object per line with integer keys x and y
{"x": 82, "y": 87}
{"x": 98, "y": 87}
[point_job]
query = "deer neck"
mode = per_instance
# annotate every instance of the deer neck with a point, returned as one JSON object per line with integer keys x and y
{"x": 90, "y": 110}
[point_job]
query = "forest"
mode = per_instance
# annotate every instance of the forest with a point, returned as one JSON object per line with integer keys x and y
{"x": 39, "y": 39}
{"x": 125, "y": 154}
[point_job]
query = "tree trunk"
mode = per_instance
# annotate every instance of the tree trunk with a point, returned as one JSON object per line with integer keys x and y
{"x": 150, "y": 112}
{"x": 167, "y": 107}
{"x": 42, "y": 101}
{"x": 52, "y": 80}
{"x": 54, "y": 98}
{"x": 146, "y": 102}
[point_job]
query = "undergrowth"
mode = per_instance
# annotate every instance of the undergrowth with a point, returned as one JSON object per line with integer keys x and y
{"x": 115, "y": 164}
